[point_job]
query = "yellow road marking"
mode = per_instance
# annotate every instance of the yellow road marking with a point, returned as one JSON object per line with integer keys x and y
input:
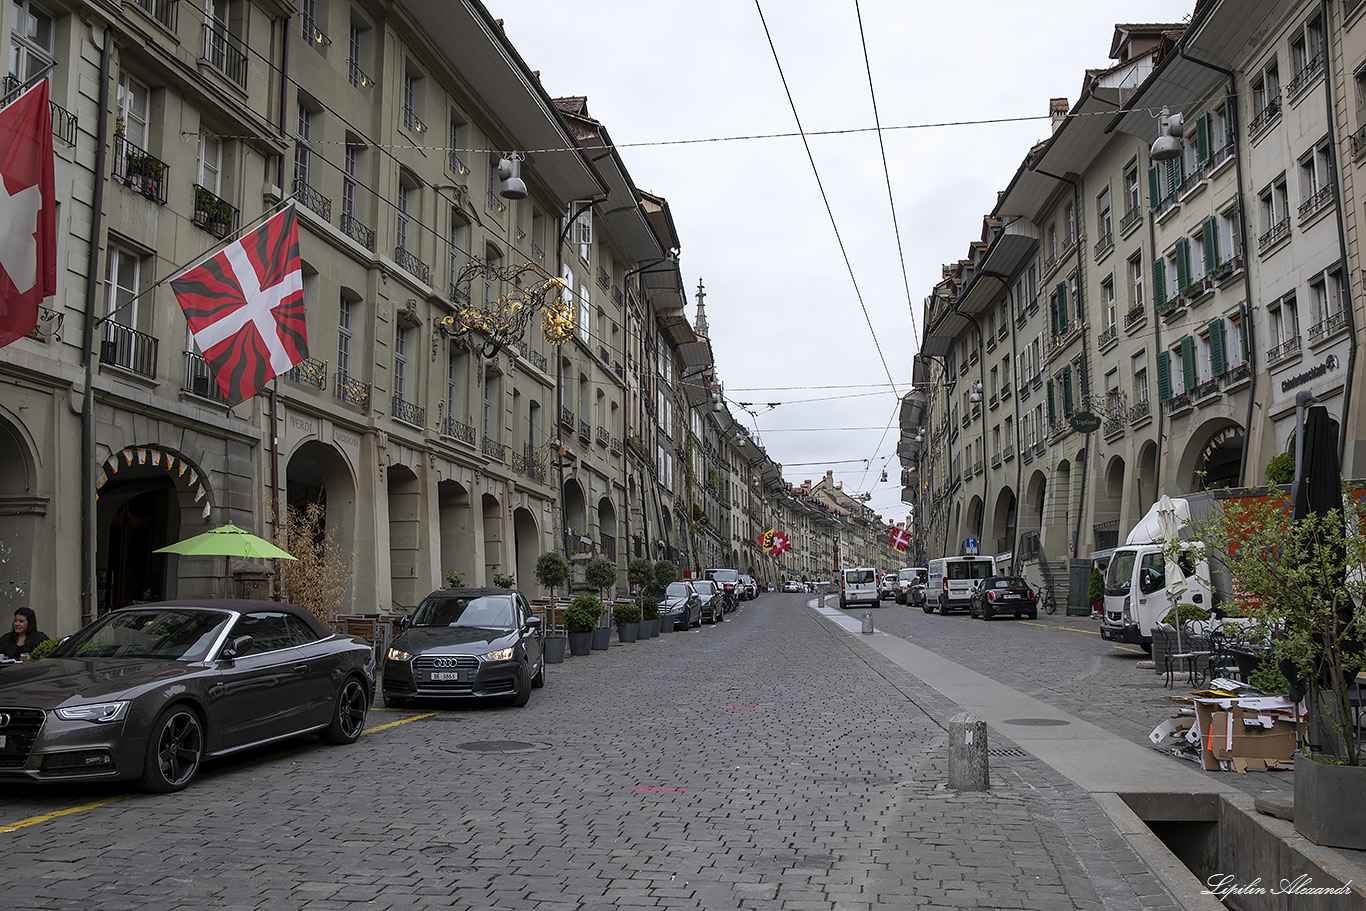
{"x": 34, "y": 820}
{"x": 1090, "y": 632}
{"x": 400, "y": 721}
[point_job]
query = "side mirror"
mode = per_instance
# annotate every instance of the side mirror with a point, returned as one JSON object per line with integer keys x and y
{"x": 238, "y": 647}
{"x": 404, "y": 622}
{"x": 534, "y": 623}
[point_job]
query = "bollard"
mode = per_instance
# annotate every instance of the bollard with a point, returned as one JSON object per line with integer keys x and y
{"x": 968, "y": 769}
{"x": 867, "y": 622}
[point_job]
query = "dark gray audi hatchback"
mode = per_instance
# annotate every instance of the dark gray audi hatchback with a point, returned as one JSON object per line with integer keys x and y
{"x": 463, "y": 642}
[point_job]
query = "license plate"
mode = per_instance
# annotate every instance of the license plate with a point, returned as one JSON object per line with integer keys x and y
{"x": 445, "y": 675}
{"x": 2, "y": 741}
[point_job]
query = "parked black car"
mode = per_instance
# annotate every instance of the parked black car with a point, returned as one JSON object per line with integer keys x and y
{"x": 712, "y": 598}
{"x": 467, "y": 642}
{"x": 729, "y": 581}
{"x": 681, "y": 606}
{"x": 150, "y": 691}
{"x": 1003, "y": 595}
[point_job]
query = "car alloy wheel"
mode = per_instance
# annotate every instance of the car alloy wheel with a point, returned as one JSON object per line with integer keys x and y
{"x": 522, "y": 695}
{"x": 348, "y": 714}
{"x": 539, "y": 680}
{"x": 173, "y": 751}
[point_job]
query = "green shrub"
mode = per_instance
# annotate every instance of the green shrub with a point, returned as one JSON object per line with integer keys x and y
{"x": 649, "y": 609}
{"x": 454, "y": 579}
{"x": 601, "y": 573}
{"x": 1269, "y": 679}
{"x": 1095, "y": 591}
{"x": 626, "y": 613}
{"x": 665, "y": 572}
{"x": 1188, "y": 612}
{"x": 502, "y": 580}
{"x": 552, "y": 570}
{"x": 582, "y": 616}
{"x": 1281, "y": 469}
{"x": 42, "y": 648}
{"x": 640, "y": 571}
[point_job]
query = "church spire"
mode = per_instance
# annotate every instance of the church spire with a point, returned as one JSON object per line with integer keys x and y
{"x": 700, "y": 324}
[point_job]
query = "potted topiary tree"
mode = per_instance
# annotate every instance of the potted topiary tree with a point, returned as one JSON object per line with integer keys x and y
{"x": 628, "y": 622}
{"x": 552, "y": 571}
{"x": 580, "y": 619}
{"x": 640, "y": 572}
{"x": 649, "y": 618}
{"x": 1300, "y": 578}
{"x": 1095, "y": 591}
{"x": 601, "y": 573}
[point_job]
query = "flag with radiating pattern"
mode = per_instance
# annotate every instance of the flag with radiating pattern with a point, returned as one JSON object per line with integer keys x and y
{"x": 245, "y": 307}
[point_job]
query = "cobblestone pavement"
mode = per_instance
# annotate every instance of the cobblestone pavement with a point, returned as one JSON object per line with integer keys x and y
{"x": 1063, "y": 661}
{"x": 769, "y": 762}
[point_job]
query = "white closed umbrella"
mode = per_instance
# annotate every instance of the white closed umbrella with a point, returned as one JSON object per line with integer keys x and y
{"x": 1169, "y": 525}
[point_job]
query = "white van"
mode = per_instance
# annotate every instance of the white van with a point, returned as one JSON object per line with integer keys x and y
{"x": 858, "y": 586}
{"x": 952, "y": 579}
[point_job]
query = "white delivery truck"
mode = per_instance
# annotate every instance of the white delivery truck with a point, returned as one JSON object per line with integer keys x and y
{"x": 950, "y": 581}
{"x": 1136, "y": 596}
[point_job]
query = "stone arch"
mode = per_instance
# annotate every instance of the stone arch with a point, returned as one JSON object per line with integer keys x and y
{"x": 405, "y": 536}
{"x": 607, "y": 528}
{"x": 494, "y": 560}
{"x": 1109, "y": 503}
{"x": 1145, "y": 479}
{"x": 1212, "y": 456}
{"x": 526, "y": 547}
{"x": 1003, "y": 521}
{"x": 973, "y": 528}
{"x": 1036, "y": 498}
{"x": 455, "y": 522}
{"x": 317, "y": 472}
{"x": 575, "y": 508}
{"x": 21, "y": 518}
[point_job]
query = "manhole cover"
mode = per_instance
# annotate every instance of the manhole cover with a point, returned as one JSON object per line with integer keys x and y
{"x": 437, "y": 850}
{"x": 1037, "y": 722}
{"x": 1005, "y": 751}
{"x": 498, "y": 746}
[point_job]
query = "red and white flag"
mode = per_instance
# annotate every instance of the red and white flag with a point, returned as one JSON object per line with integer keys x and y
{"x": 245, "y": 307}
{"x": 780, "y": 543}
{"x": 28, "y": 213}
{"x": 901, "y": 539}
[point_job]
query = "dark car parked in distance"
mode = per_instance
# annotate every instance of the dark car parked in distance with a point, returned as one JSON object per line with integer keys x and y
{"x": 1003, "y": 595}
{"x": 713, "y": 601}
{"x": 729, "y": 581}
{"x": 464, "y": 642}
{"x": 681, "y": 605}
{"x": 149, "y": 692}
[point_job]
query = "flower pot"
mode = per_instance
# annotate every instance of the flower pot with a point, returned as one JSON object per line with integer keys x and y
{"x": 580, "y": 643}
{"x": 602, "y": 637}
{"x": 628, "y": 632}
{"x": 1330, "y": 803}
{"x": 666, "y": 624}
{"x": 649, "y": 629}
{"x": 554, "y": 649}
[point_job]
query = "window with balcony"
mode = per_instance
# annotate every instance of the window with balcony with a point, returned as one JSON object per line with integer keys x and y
{"x": 1316, "y": 181}
{"x": 1266, "y": 98}
{"x": 358, "y": 44}
{"x": 303, "y": 144}
{"x": 1135, "y": 279}
{"x": 31, "y": 42}
{"x": 413, "y": 90}
{"x": 1306, "y": 55}
{"x": 1105, "y": 240}
{"x": 455, "y": 141}
{"x": 124, "y": 344}
{"x": 312, "y": 25}
{"x": 223, "y": 47}
{"x": 1274, "y": 205}
{"x": 345, "y": 321}
{"x": 1284, "y": 328}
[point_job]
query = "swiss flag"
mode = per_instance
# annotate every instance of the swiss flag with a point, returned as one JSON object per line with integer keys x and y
{"x": 28, "y": 212}
{"x": 780, "y": 543}
{"x": 900, "y": 538}
{"x": 245, "y": 307}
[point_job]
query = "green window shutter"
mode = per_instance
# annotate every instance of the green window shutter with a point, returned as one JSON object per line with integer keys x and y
{"x": 1218, "y": 361}
{"x": 1164, "y": 376}
{"x": 1154, "y": 188}
{"x": 1210, "y": 230}
{"x": 1183, "y": 263}
{"x": 1061, "y": 293}
{"x": 1202, "y": 139}
{"x": 1189, "y": 374}
{"x": 1159, "y": 283}
{"x": 1172, "y": 175}
{"x": 1242, "y": 331}
{"x": 1051, "y": 409}
{"x": 1067, "y": 389}
{"x": 1229, "y": 113}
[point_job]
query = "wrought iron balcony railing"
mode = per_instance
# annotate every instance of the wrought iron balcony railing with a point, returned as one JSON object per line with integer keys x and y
{"x": 213, "y": 213}
{"x": 1129, "y": 219}
{"x": 494, "y": 449}
{"x": 357, "y": 231}
{"x": 604, "y": 438}
{"x": 567, "y": 417}
{"x": 411, "y": 122}
{"x": 412, "y": 265}
{"x": 1263, "y": 119}
{"x": 225, "y": 52}
{"x": 585, "y": 431}
{"x": 63, "y": 121}
{"x": 358, "y": 77}
{"x": 312, "y": 34}
{"x": 163, "y": 11}
{"x": 352, "y": 391}
{"x": 1317, "y": 201}
{"x": 309, "y": 372}
{"x": 458, "y": 430}
{"x": 139, "y": 170}
{"x": 407, "y": 412}
{"x": 1327, "y": 326}
{"x": 538, "y": 360}
{"x": 129, "y": 350}
{"x": 1283, "y": 350}
{"x": 1134, "y": 315}
{"x": 1140, "y": 410}
{"x": 199, "y": 379}
{"x": 1279, "y": 230}
{"x": 313, "y": 199}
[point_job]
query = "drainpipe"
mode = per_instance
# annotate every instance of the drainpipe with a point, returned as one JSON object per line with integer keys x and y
{"x": 1081, "y": 284}
{"x": 1247, "y": 273}
{"x": 1342, "y": 242}
{"x": 92, "y": 284}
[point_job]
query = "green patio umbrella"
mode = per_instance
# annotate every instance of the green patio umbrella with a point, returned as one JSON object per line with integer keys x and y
{"x": 226, "y": 541}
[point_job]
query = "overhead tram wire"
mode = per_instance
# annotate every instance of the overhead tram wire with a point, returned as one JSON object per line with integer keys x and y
{"x": 886, "y": 172}
{"x": 824, "y": 197}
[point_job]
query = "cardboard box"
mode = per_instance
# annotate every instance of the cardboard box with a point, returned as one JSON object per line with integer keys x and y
{"x": 1242, "y": 739}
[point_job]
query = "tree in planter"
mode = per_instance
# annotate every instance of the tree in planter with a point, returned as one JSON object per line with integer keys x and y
{"x": 626, "y": 613}
{"x": 1095, "y": 591}
{"x": 649, "y": 609}
{"x": 665, "y": 572}
{"x": 582, "y": 615}
{"x": 601, "y": 573}
{"x": 1292, "y": 578}
{"x": 640, "y": 572}
{"x": 552, "y": 570}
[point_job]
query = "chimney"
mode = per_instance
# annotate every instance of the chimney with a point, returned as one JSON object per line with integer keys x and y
{"x": 1057, "y": 111}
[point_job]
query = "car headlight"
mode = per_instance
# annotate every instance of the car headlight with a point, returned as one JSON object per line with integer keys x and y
{"x": 99, "y": 712}
{"x": 398, "y": 655}
{"x": 503, "y": 654}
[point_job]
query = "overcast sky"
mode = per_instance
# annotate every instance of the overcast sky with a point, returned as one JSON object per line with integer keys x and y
{"x": 788, "y": 320}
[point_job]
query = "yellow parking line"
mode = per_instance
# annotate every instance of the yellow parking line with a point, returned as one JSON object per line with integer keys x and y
{"x": 34, "y": 820}
{"x": 400, "y": 721}
{"x": 1068, "y": 629}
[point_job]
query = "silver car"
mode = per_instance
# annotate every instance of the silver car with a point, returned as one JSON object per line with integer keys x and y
{"x": 713, "y": 601}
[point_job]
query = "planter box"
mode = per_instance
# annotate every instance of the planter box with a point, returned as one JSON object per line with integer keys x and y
{"x": 628, "y": 632}
{"x": 602, "y": 638}
{"x": 580, "y": 643}
{"x": 1330, "y": 804}
{"x": 554, "y": 649}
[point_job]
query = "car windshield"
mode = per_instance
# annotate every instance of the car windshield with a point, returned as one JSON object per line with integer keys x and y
{"x": 1008, "y": 582}
{"x": 175, "y": 635}
{"x": 484, "y": 611}
{"x": 703, "y": 586}
{"x": 725, "y": 575}
{"x": 968, "y": 569}
{"x": 858, "y": 576}
{"x": 1119, "y": 575}
{"x": 676, "y": 590}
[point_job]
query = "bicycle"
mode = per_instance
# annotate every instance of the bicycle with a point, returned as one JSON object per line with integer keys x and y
{"x": 1047, "y": 601}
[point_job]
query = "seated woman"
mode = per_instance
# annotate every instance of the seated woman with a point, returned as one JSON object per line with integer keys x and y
{"x": 24, "y": 635}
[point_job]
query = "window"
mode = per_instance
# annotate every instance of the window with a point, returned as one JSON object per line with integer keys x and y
{"x": 455, "y": 404}
{"x": 1069, "y": 226}
{"x": 358, "y": 55}
{"x": 1266, "y": 94}
{"x": 1284, "y": 319}
{"x": 30, "y": 47}
{"x": 1219, "y": 127}
{"x": 1138, "y": 367}
{"x": 271, "y": 631}
{"x": 460, "y": 245}
{"x": 401, "y": 362}
{"x": 123, "y": 281}
{"x": 210, "y": 166}
{"x": 1230, "y": 234}
{"x": 454, "y": 140}
{"x": 1315, "y": 175}
{"x": 407, "y": 205}
{"x": 1103, "y": 215}
{"x": 1275, "y": 206}
{"x": 1196, "y": 244}
{"x": 584, "y": 314}
{"x": 1359, "y": 84}
{"x": 490, "y": 379}
{"x": 303, "y": 144}
{"x": 1131, "y": 199}
{"x": 132, "y": 103}
{"x": 412, "y": 102}
{"x": 1107, "y": 299}
{"x": 1135, "y": 270}
{"x": 350, "y": 164}
{"x": 1306, "y": 50}
{"x": 344, "y": 318}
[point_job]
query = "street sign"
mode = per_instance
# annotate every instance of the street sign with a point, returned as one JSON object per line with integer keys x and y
{"x": 970, "y": 547}
{"x": 1085, "y": 422}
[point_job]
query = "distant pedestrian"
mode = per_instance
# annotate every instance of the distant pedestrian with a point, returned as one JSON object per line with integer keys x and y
{"x": 23, "y": 636}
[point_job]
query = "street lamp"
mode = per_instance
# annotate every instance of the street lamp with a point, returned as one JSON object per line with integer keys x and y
{"x": 1167, "y": 146}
